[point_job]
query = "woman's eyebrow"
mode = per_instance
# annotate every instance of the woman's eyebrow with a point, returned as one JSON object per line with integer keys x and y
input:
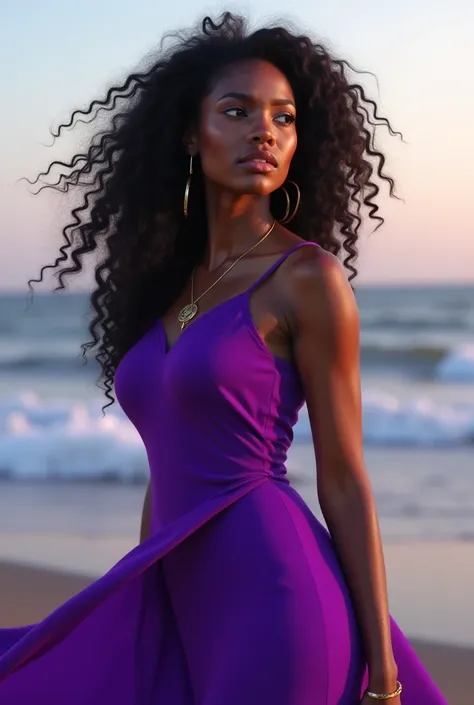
{"x": 249, "y": 98}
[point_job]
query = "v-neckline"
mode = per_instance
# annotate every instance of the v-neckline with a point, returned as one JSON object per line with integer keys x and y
{"x": 167, "y": 350}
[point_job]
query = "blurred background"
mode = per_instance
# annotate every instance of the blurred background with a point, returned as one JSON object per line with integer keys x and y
{"x": 72, "y": 481}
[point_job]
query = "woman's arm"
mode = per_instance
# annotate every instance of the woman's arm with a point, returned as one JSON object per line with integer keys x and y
{"x": 145, "y": 523}
{"x": 326, "y": 347}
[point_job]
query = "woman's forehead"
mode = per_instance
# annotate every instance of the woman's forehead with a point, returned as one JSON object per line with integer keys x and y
{"x": 255, "y": 78}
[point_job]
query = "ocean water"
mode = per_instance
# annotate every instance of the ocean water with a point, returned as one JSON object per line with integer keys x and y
{"x": 417, "y": 365}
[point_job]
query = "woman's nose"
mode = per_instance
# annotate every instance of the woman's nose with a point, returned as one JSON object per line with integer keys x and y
{"x": 261, "y": 132}
{"x": 262, "y": 136}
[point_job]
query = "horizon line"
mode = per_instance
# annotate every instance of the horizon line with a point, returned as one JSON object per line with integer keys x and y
{"x": 407, "y": 283}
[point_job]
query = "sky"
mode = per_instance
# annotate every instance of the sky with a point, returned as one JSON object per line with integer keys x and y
{"x": 58, "y": 56}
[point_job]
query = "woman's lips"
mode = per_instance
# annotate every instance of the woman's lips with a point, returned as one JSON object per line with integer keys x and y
{"x": 257, "y": 167}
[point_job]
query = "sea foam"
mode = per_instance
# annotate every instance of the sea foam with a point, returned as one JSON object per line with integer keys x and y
{"x": 66, "y": 439}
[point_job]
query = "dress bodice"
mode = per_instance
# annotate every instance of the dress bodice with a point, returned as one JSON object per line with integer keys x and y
{"x": 216, "y": 409}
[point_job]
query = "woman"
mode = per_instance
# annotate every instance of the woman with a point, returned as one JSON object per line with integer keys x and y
{"x": 216, "y": 322}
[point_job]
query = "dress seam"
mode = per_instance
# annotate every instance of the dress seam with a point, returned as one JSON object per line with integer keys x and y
{"x": 312, "y": 578}
{"x": 267, "y": 419}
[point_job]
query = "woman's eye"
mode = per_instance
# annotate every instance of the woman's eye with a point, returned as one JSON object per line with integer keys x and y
{"x": 238, "y": 112}
{"x": 286, "y": 118}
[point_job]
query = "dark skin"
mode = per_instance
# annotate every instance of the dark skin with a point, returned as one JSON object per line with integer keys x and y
{"x": 305, "y": 312}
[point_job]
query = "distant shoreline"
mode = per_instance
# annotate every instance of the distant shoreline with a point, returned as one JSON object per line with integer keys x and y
{"x": 372, "y": 285}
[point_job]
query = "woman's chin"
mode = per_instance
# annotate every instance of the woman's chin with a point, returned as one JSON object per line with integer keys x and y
{"x": 257, "y": 185}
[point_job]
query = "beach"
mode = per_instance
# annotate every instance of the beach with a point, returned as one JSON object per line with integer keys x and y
{"x": 56, "y": 538}
{"x": 431, "y": 588}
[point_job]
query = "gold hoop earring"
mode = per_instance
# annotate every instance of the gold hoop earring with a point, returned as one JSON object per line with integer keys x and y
{"x": 187, "y": 187}
{"x": 288, "y": 205}
{"x": 290, "y": 214}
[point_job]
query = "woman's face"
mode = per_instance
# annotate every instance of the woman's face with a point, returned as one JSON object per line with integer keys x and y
{"x": 246, "y": 137}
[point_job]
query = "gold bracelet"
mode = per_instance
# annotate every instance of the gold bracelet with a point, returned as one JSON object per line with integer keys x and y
{"x": 385, "y": 696}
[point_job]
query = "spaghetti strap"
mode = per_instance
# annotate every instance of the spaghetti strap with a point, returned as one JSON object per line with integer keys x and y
{"x": 278, "y": 262}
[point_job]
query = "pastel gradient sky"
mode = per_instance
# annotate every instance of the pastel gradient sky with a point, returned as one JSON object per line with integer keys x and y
{"x": 57, "y": 56}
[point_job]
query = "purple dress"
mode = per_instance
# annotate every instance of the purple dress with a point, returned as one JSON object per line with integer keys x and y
{"x": 237, "y": 596}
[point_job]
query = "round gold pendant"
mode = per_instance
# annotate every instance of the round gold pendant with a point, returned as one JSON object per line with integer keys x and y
{"x": 187, "y": 313}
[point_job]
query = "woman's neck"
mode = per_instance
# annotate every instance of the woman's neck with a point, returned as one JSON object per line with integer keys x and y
{"x": 235, "y": 223}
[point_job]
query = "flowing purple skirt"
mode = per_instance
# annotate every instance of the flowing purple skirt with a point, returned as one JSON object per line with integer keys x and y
{"x": 242, "y": 601}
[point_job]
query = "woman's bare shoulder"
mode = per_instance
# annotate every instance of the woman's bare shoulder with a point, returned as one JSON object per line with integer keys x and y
{"x": 317, "y": 287}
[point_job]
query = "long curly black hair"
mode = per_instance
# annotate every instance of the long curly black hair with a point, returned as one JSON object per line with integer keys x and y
{"x": 131, "y": 178}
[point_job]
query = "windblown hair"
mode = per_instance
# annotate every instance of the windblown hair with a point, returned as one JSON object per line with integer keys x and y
{"x": 131, "y": 178}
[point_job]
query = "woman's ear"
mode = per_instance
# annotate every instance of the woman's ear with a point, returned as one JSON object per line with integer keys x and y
{"x": 190, "y": 142}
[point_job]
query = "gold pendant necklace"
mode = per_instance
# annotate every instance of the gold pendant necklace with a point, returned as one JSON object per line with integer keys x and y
{"x": 189, "y": 311}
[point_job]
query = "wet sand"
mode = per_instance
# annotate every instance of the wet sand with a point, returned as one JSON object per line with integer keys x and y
{"x": 29, "y": 593}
